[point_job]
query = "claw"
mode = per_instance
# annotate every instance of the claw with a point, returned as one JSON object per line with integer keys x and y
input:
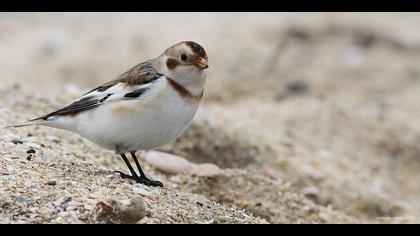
{"x": 140, "y": 180}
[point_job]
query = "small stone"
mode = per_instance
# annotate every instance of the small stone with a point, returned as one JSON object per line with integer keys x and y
{"x": 145, "y": 220}
{"x": 10, "y": 137}
{"x": 31, "y": 151}
{"x": 9, "y": 145}
{"x": 67, "y": 200}
{"x": 123, "y": 211}
{"x": 172, "y": 164}
{"x": 34, "y": 146}
{"x": 104, "y": 208}
{"x": 29, "y": 158}
{"x": 167, "y": 163}
{"x": 10, "y": 169}
{"x": 16, "y": 142}
{"x": 52, "y": 182}
{"x": 133, "y": 211}
{"x": 324, "y": 216}
{"x": 311, "y": 192}
{"x": 297, "y": 87}
{"x": 205, "y": 170}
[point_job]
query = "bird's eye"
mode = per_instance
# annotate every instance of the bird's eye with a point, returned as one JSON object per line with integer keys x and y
{"x": 184, "y": 57}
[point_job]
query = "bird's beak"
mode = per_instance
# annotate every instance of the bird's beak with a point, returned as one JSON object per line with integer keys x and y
{"x": 202, "y": 63}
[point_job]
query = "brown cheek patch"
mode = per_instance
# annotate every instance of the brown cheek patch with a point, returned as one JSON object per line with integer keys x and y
{"x": 172, "y": 63}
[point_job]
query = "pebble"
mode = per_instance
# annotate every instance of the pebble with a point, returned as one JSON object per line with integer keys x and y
{"x": 205, "y": 170}
{"x": 33, "y": 145}
{"x": 10, "y": 136}
{"x": 52, "y": 182}
{"x": 67, "y": 200}
{"x": 311, "y": 192}
{"x": 13, "y": 138}
{"x": 31, "y": 151}
{"x": 145, "y": 220}
{"x": 127, "y": 211}
{"x": 10, "y": 169}
{"x": 10, "y": 146}
{"x": 133, "y": 210}
{"x": 16, "y": 142}
{"x": 167, "y": 163}
{"x": 172, "y": 164}
{"x": 297, "y": 87}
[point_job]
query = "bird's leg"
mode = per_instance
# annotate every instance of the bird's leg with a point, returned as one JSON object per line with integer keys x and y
{"x": 133, "y": 175}
{"x": 143, "y": 179}
{"x": 133, "y": 155}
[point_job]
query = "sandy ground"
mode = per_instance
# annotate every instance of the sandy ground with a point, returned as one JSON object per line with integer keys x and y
{"x": 311, "y": 116}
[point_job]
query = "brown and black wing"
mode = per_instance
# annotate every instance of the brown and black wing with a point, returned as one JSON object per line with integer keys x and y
{"x": 83, "y": 104}
{"x": 140, "y": 74}
{"x": 129, "y": 85}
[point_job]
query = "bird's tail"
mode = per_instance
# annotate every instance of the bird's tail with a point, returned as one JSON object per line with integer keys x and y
{"x": 26, "y": 123}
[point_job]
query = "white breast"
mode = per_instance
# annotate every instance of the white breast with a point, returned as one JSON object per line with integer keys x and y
{"x": 158, "y": 118}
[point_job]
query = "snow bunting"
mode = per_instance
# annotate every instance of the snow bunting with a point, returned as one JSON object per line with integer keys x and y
{"x": 146, "y": 107}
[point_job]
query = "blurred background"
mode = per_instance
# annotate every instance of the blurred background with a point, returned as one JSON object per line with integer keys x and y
{"x": 328, "y": 102}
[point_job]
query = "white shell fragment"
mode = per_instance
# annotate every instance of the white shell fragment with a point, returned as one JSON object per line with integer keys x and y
{"x": 172, "y": 164}
{"x": 167, "y": 163}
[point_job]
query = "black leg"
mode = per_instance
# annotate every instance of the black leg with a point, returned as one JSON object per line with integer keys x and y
{"x": 133, "y": 175}
{"x": 127, "y": 162}
{"x": 143, "y": 177}
{"x": 133, "y": 155}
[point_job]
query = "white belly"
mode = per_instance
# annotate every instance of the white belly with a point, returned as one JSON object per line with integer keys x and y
{"x": 143, "y": 124}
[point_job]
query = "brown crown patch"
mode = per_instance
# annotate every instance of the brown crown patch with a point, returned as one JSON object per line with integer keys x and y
{"x": 197, "y": 49}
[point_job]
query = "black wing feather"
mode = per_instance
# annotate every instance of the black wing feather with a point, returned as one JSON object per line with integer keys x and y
{"x": 136, "y": 93}
{"x": 88, "y": 103}
{"x": 74, "y": 108}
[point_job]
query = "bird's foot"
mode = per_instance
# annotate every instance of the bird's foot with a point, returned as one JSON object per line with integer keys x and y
{"x": 141, "y": 180}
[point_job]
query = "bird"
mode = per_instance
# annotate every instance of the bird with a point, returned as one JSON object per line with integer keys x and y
{"x": 148, "y": 106}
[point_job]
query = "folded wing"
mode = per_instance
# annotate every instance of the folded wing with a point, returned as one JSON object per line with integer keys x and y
{"x": 130, "y": 85}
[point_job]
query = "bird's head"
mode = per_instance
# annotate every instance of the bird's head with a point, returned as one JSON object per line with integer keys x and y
{"x": 186, "y": 63}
